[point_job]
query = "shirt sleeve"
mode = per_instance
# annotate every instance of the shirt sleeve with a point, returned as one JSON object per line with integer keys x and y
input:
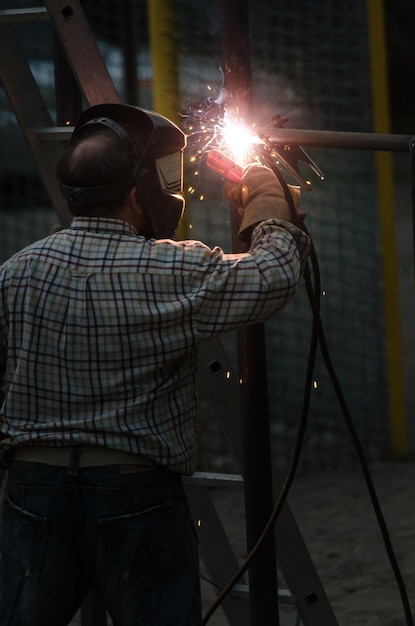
{"x": 3, "y": 365}
{"x": 2, "y": 375}
{"x": 3, "y": 347}
{"x": 248, "y": 288}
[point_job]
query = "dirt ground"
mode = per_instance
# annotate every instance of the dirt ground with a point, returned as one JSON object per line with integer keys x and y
{"x": 337, "y": 522}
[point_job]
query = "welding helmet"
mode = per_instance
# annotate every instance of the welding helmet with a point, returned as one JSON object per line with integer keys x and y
{"x": 155, "y": 146}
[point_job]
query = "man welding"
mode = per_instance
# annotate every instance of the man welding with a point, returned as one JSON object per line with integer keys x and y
{"x": 99, "y": 328}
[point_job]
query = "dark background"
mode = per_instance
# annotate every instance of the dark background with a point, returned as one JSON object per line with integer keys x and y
{"x": 400, "y": 38}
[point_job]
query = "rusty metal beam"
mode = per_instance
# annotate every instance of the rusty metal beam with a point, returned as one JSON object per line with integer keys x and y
{"x": 82, "y": 52}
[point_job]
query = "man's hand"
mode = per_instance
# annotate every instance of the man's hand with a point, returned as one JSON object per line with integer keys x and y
{"x": 261, "y": 197}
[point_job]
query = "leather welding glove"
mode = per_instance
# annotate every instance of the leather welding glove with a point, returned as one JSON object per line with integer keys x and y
{"x": 261, "y": 197}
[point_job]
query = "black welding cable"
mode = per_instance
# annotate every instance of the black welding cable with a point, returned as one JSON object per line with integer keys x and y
{"x": 318, "y": 336}
{"x": 318, "y": 325}
{"x": 299, "y": 439}
{"x": 364, "y": 466}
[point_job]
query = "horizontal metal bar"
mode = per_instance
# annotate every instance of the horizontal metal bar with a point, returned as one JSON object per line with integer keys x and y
{"x": 241, "y": 591}
{"x": 212, "y": 479}
{"x": 340, "y": 139}
{"x": 54, "y": 133}
{"x": 292, "y": 137}
{"x": 23, "y": 15}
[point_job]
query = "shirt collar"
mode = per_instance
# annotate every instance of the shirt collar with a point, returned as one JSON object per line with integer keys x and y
{"x": 102, "y": 225}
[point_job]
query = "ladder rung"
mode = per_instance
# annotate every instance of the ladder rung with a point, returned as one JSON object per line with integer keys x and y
{"x": 242, "y": 591}
{"x": 23, "y": 15}
{"x": 215, "y": 480}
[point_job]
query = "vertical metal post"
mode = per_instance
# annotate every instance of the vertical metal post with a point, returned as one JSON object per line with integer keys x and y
{"x": 257, "y": 465}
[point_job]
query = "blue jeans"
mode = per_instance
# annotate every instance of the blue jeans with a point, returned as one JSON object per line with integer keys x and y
{"x": 129, "y": 537}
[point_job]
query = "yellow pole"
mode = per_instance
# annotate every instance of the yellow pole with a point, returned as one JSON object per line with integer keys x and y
{"x": 377, "y": 50}
{"x": 164, "y": 57}
{"x": 163, "y": 29}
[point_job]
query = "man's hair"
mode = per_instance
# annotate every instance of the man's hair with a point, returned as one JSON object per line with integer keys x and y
{"x": 97, "y": 157}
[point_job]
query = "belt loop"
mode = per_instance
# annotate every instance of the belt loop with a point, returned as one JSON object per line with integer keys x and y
{"x": 74, "y": 461}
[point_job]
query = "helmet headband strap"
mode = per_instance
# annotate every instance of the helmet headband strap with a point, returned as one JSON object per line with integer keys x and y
{"x": 102, "y": 194}
{"x": 117, "y": 129}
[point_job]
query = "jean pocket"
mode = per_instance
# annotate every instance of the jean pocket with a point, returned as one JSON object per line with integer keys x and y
{"x": 23, "y": 541}
{"x": 145, "y": 548}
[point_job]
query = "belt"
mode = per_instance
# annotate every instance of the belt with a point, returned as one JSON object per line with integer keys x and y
{"x": 89, "y": 456}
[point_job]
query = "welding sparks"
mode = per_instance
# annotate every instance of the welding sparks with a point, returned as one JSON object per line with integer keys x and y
{"x": 213, "y": 126}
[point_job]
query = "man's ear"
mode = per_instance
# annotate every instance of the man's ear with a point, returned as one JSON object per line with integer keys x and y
{"x": 133, "y": 199}
{"x": 141, "y": 220}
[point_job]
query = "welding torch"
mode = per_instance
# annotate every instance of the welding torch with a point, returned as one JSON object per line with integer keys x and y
{"x": 232, "y": 172}
{"x": 269, "y": 152}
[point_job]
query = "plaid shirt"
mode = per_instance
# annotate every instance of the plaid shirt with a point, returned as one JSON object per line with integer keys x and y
{"x": 99, "y": 329}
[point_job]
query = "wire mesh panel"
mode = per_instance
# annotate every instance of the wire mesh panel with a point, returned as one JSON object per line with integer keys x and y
{"x": 310, "y": 64}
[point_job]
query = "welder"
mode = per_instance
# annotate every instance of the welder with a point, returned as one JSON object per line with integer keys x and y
{"x": 99, "y": 328}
